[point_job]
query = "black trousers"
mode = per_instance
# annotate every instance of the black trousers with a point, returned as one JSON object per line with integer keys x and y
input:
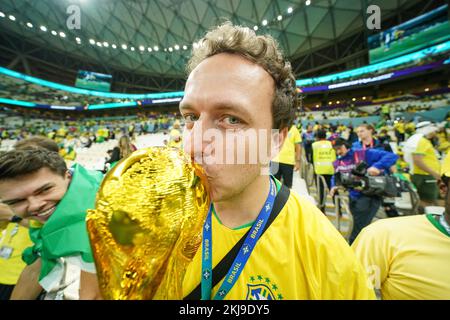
{"x": 283, "y": 172}
{"x": 5, "y": 291}
{"x": 363, "y": 210}
{"x": 322, "y": 189}
{"x": 309, "y": 152}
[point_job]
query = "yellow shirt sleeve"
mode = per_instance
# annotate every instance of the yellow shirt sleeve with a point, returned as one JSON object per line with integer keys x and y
{"x": 296, "y": 137}
{"x": 372, "y": 249}
{"x": 339, "y": 274}
{"x": 421, "y": 147}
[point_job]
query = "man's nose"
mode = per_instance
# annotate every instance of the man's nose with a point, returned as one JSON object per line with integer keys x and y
{"x": 193, "y": 143}
{"x": 35, "y": 204}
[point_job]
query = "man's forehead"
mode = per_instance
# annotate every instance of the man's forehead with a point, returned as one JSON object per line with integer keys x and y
{"x": 230, "y": 67}
{"x": 230, "y": 78}
{"x": 27, "y": 183}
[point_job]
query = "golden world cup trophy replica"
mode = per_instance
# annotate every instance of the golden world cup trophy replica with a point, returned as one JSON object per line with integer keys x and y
{"x": 147, "y": 224}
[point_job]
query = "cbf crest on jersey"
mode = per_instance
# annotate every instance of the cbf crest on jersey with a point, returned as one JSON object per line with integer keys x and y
{"x": 262, "y": 288}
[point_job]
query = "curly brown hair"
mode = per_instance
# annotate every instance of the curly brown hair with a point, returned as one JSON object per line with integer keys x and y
{"x": 262, "y": 50}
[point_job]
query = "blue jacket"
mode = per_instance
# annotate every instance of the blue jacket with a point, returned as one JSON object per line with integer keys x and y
{"x": 377, "y": 144}
{"x": 377, "y": 158}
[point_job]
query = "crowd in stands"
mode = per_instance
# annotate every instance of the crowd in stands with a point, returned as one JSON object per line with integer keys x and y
{"x": 370, "y": 106}
{"x": 408, "y": 140}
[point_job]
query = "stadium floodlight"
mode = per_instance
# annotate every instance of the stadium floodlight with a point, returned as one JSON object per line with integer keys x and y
{"x": 114, "y": 46}
{"x": 105, "y": 44}
{"x": 354, "y": 99}
{"x": 132, "y": 48}
{"x": 338, "y": 102}
{"x": 177, "y": 47}
{"x": 364, "y": 98}
{"x": 149, "y": 49}
{"x": 317, "y": 106}
{"x": 2, "y": 15}
{"x": 142, "y": 48}
{"x": 185, "y": 47}
{"x": 124, "y": 47}
{"x": 308, "y": 2}
{"x": 29, "y": 25}
{"x": 156, "y": 48}
{"x": 62, "y": 34}
{"x": 54, "y": 33}
{"x": 330, "y": 102}
{"x": 264, "y": 22}
{"x": 99, "y": 44}
{"x": 280, "y": 17}
{"x": 165, "y": 49}
{"x": 92, "y": 41}
{"x": 11, "y": 17}
{"x": 289, "y": 10}
{"x": 255, "y": 28}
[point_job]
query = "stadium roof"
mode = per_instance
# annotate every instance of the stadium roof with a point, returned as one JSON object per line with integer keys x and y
{"x": 155, "y": 37}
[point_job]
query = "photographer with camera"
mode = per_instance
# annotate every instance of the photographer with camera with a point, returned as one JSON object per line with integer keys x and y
{"x": 353, "y": 170}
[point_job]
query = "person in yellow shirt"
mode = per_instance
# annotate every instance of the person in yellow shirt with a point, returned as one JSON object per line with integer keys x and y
{"x": 399, "y": 127}
{"x": 385, "y": 111}
{"x": 425, "y": 164}
{"x": 410, "y": 128}
{"x": 68, "y": 153}
{"x": 61, "y": 132}
{"x": 341, "y": 128}
{"x": 13, "y": 240}
{"x": 301, "y": 255}
{"x": 289, "y": 158}
{"x": 175, "y": 136}
{"x": 408, "y": 257}
{"x": 443, "y": 144}
{"x": 323, "y": 158}
{"x": 317, "y": 126}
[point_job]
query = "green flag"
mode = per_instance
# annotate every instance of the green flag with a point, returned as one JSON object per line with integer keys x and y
{"x": 64, "y": 234}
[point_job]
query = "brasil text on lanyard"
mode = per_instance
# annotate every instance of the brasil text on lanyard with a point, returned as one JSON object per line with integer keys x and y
{"x": 244, "y": 252}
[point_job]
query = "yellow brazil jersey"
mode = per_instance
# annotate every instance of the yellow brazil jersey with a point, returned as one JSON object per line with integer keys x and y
{"x": 425, "y": 148}
{"x": 444, "y": 143}
{"x": 287, "y": 152}
{"x": 61, "y": 132}
{"x": 175, "y": 144}
{"x": 300, "y": 256}
{"x": 400, "y": 126}
{"x": 406, "y": 257}
{"x": 13, "y": 240}
{"x": 410, "y": 127}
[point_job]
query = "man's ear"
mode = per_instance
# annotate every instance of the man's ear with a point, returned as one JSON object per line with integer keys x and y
{"x": 68, "y": 175}
{"x": 443, "y": 188}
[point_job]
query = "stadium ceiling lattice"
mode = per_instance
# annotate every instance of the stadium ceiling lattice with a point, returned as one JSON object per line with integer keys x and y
{"x": 155, "y": 36}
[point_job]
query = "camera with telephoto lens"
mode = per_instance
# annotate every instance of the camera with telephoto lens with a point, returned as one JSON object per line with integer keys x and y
{"x": 358, "y": 179}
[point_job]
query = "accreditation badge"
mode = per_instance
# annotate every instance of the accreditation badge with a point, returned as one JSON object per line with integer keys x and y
{"x": 6, "y": 252}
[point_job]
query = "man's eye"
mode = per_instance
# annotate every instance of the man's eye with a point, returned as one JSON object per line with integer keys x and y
{"x": 13, "y": 203}
{"x": 232, "y": 120}
{"x": 190, "y": 117}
